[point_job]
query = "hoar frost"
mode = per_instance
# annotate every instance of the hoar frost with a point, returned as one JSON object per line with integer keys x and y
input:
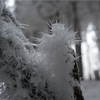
{"x": 56, "y": 59}
{"x": 48, "y": 72}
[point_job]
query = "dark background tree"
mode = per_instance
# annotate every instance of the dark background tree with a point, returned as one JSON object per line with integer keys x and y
{"x": 76, "y": 25}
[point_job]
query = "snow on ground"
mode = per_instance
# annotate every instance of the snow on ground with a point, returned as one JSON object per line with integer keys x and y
{"x": 91, "y": 90}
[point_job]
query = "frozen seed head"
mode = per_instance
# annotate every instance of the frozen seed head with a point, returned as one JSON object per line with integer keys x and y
{"x": 57, "y": 27}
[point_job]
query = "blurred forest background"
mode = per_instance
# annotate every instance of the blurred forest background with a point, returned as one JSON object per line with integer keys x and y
{"x": 80, "y": 16}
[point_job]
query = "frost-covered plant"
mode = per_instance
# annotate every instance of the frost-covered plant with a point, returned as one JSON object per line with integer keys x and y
{"x": 48, "y": 72}
{"x": 20, "y": 79}
{"x": 55, "y": 58}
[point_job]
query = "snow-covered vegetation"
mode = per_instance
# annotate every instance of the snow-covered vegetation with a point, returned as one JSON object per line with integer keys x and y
{"x": 55, "y": 58}
{"x": 46, "y": 70}
{"x": 30, "y": 72}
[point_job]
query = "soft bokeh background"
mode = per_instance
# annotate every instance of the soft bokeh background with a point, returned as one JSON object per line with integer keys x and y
{"x": 80, "y": 16}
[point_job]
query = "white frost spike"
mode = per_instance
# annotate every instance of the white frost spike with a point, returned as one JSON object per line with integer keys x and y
{"x": 55, "y": 58}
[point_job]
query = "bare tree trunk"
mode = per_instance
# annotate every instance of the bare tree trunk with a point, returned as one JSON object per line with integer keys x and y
{"x": 77, "y": 29}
